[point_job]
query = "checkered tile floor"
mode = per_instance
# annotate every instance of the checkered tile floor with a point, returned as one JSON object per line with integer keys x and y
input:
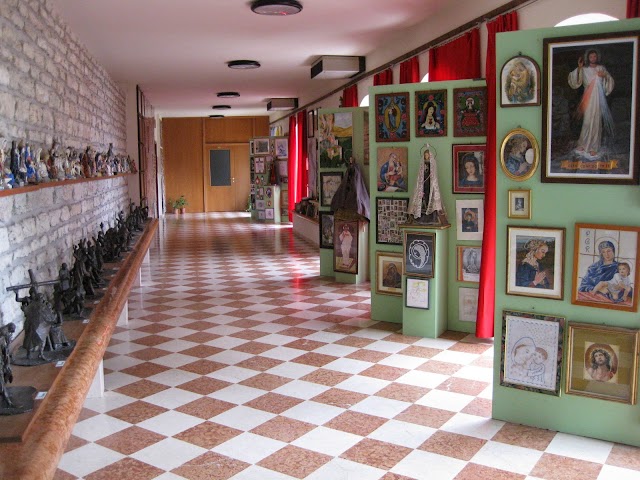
{"x": 240, "y": 362}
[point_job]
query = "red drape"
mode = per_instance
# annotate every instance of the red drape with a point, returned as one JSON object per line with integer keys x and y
{"x": 410, "y": 71}
{"x": 294, "y": 188}
{"x": 301, "y": 135}
{"x": 350, "y": 96}
{"x": 486, "y": 296}
{"x": 633, "y": 8}
{"x": 456, "y": 60}
{"x": 383, "y": 78}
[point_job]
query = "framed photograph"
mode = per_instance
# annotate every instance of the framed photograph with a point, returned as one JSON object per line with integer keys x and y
{"x": 520, "y": 204}
{"x": 431, "y": 113}
{"x": 535, "y": 260}
{"x": 470, "y": 219}
{"x": 282, "y": 147}
{"x": 326, "y": 230}
{"x": 531, "y": 352}
{"x": 261, "y": 215}
{"x": 519, "y": 154}
{"x": 392, "y": 117}
{"x": 345, "y": 246}
{"x": 605, "y": 267}
{"x": 392, "y": 169}
{"x": 260, "y": 164}
{"x": 268, "y": 214}
{"x": 419, "y": 254}
{"x": 335, "y": 139}
{"x": 261, "y": 147}
{"x": 469, "y": 261}
{"x": 417, "y": 293}
{"x": 260, "y": 204}
{"x": 590, "y": 109}
{"x": 389, "y": 273}
{"x": 468, "y": 168}
{"x": 390, "y": 214}
{"x": 520, "y": 82}
{"x": 467, "y": 304}
{"x": 470, "y": 106}
{"x": 602, "y": 362}
{"x": 329, "y": 183}
{"x": 311, "y": 123}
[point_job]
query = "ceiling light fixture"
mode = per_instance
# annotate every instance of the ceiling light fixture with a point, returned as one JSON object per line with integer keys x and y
{"x": 243, "y": 64}
{"x": 216, "y": 116}
{"x": 282, "y": 104}
{"x": 276, "y": 7}
{"x": 228, "y": 94}
{"x": 221, "y": 107}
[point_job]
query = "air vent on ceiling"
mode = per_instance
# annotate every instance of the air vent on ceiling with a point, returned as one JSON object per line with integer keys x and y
{"x": 334, "y": 66}
{"x": 282, "y": 104}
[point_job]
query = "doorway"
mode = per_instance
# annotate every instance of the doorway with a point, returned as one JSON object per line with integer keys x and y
{"x": 226, "y": 177}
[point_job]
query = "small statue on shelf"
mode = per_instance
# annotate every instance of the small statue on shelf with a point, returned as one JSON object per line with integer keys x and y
{"x": 6, "y": 375}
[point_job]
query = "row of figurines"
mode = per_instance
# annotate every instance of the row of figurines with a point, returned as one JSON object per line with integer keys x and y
{"x": 44, "y": 340}
{"x": 23, "y": 165}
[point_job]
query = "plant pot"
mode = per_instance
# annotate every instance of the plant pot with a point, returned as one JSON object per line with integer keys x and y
{"x": 183, "y": 210}
{"x": 176, "y": 211}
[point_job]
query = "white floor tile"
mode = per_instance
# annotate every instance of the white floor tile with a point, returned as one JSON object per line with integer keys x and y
{"x": 507, "y": 457}
{"x": 335, "y": 350}
{"x": 324, "y": 440}
{"x": 291, "y": 369}
{"x": 582, "y": 448}
{"x": 230, "y": 357}
{"x": 348, "y": 365}
{"x": 226, "y": 342}
{"x": 451, "y": 401}
{"x": 121, "y": 362}
{"x": 387, "y": 347}
{"x": 109, "y": 401}
{"x": 380, "y": 407}
{"x": 172, "y": 398}
{"x": 313, "y": 412}
{"x": 362, "y": 384}
{"x": 99, "y": 426}
{"x": 609, "y": 472}
{"x": 249, "y": 447}
{"x": 282, "y": 353}
{"x": 341, "y": 469}
{"x": 402, "y": 361}
{"x": 427, "y": 465}
{"x": 255, "y": 472}
{"x": 450, "y": 356}
{"x": 473, "y": 426}
{"x": 242, "y": 418}
{"x": 301, "y": 389}
{"x": 480, "y": 374}
{"x": 170, "y": 423}
{"x": 87, "y": 459}
{"x": 174, "y": 360}
{"x": 233, "y": 374}
{"x": 406, "y": 434}
{"x": 172, "y": 378}
{"x": 422, "y": 379}
{"x": 115, "y": 380}
{"x": 168, "y": 454}
{"x": 237, "y": 394}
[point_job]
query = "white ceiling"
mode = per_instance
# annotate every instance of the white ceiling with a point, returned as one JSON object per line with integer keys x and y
{"x": 177, "y": 50}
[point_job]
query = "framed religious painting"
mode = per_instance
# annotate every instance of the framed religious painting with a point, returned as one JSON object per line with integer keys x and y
{"x": 535, "y": 262}
{"x": 417, "y": 293}
{"x": 520, "y": 204}
{"x": 261, "y": 146}
{"x": 392, "y": 117}
{"x": 390, "y": 214}
{"x": 335, "y": 139}
{"x": 329, "y": 183}
{"x": 605, "y": 267}
{"x": 282, "y": 147}
{"x": 519, "y": 154}
{"x": 602, "y": 362}
{"x": 431, "y": 113}
{"x": 531, "y": 352}
{"x": 389, "y": 273}
{"x": 470, "y": 112}
{"x": 393, "y": 167}
{"x": 469, "y": 261}
{"x": 467, "y": 304}
{"x": 590, "y": 104}
{"x": 468, "y": 168}
{"x": 419, "y": 254}
{"x": 470, "y": 219}
{"x": 326, "y": 229}
{"x": 520, "y": 82}
{"x": 345, "y": 246}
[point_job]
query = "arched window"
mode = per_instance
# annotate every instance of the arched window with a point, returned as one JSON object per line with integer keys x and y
{"x": 586, "y": 18}
{"x": 365, "y": 101}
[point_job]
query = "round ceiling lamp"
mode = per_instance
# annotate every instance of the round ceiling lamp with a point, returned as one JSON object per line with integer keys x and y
{"x": 243, "y": 64}
{"x": 216, "y": 116}
{"x": 227, "y": 94}
{"x": 221, "y": 107}
{"x": 276, "y": 7}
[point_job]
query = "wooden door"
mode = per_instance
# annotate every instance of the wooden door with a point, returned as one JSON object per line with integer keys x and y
{"x": 226, "y": 177}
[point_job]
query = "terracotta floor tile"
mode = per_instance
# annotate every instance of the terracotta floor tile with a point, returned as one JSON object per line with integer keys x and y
{"x": 86, "y": 413}
{"x": 451, "y": 335}
{"x": 286, "y": 320}
{"x": 245, "y": 323}
{"x": 463, "y": 385}
{"x": 395, "y": 476}
{"x": 478, "y": 348}
{"x": 210, "y": 466}
{"x": 130, "y": 440}
{"x": 283, "y": 429}
{"x": 273, "y": 403}
{"x": 136, "y": 412}
{"x": 151, "y": 340}
{"x": 148, "y": 353}
{"x": 74, "y": 442}
{"x": 249, "y": 334}
{"x": 399, "y": 338}
{"x": 326, "y": 377}
{"x": 254, "y": 348}
{"x": 422, "y": 352}
{"x": 205, "y": 407}
{"x": 368, "y": 355}
{"x": 202, "y": 351}
{"x": 154, "y": 327}
{"x": 384, "y": 372}
{"x": 474, "y": 471}
{"x": 483, "y": 361}
{"x": 204, "y": 385}
{"x": 339, "y": 398}
{"x": 208, "y": 434}
{"x": 141, "y": 389}
{"x": 297, "y": 332}
{"x": 305, "y": 344}
{"x": 343, "y": 329}
{"x": 480, "y": 407}
{"x": 144, "y": 370}
{"x": 199, "y": 325}
{"x": 555, "y": 467}
{"x": 403, "y": 392}
{"x": 203, "y": 367}
{"x": 524, "y": 436}
{"x": 62, "y": 475}
{"x": 265, "y": 381}
{"x": 356, "y": 342}
{"x": 435, "y": 366}
{"x": 200, "y": 337}
{"x": 314, "y": 359}
{"x": 427, "y": 416}
{"x": 453, "y": 445}
{"x": 355, "y": 422}
{"x": 126, "y": 469}
{"x": 294, "y": 461}
{"x": 624, "y": 456}
{"x": 376, "y": 453}
{"x": 260, "y": 364}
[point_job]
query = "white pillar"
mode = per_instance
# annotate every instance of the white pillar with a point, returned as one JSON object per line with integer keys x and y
{"x": 97, "y": 387}
{"x": 123, "y": 319}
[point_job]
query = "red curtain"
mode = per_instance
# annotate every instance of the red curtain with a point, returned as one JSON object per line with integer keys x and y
{"x": 633, "y": 8}
{"x": 350, "y": 96}
{"x": 456, "y": 60}
{"x": 294, "y": 193}
{"x": 410, "y": 71}
{"x": 301, "y": 135}
{"x": 383, "y": 78}
{"x": 486, "y": 296}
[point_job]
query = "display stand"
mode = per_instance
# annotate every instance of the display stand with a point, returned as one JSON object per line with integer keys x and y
{"x": 432, "y": 321}
{"x": 268, "y": 200}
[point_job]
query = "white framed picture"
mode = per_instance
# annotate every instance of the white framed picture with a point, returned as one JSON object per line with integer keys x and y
{"x": 417, "y": 293}
{"x": 467, "y": 304}
{"x": 470, "y": 219}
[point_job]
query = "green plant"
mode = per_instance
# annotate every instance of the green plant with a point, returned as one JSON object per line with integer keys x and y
{"x": 180, "y": 202}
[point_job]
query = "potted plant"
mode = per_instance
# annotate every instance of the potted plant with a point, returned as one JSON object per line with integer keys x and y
{"x": 179, "y": 205}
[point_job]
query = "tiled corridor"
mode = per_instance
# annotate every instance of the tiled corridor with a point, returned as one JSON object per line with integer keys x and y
{"x": 240, "y": 362}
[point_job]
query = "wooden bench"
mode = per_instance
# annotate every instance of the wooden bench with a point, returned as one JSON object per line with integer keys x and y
{"x": 44, "y": 433}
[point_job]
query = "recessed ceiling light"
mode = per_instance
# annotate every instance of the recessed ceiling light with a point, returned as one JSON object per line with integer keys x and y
{"x": 221, "y": 107}
{"x": 243, "y": 64}
{"x": 276, "y": 7}
{"x": 216, "y": 116}
{"x": 228, "y": 94}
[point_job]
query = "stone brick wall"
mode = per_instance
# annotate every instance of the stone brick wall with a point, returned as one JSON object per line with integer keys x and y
{"x": 50, "y": 86}
{"x": 39, "y": 228}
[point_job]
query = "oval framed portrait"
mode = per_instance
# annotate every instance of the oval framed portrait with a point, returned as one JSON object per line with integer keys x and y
{"x": 520, "y": 82}
{"x": 519, "y": 154}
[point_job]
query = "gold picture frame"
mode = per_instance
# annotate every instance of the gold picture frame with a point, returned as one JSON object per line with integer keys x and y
{"x": 602, "y": 362}
{"x": 520, "y": 204}
{"x": 519, "y": 155}
{"x": 389, "y": 267}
